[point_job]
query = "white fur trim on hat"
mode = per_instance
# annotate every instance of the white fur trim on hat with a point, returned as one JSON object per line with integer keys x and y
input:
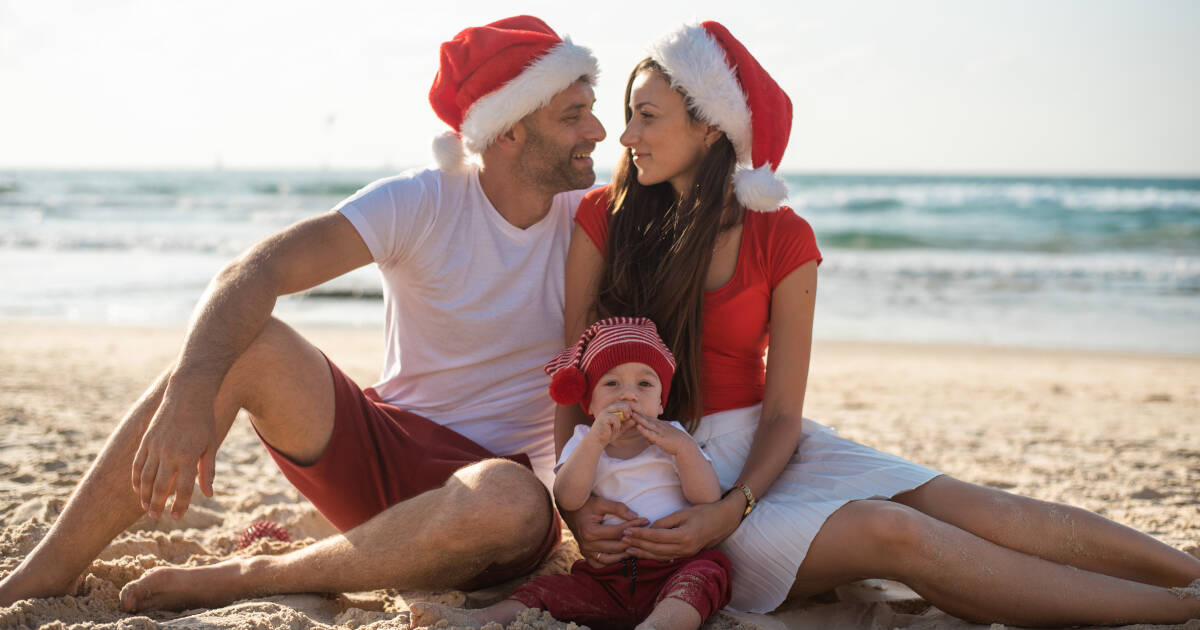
{"x": 696, "y": 64}
{"x": 493, "y": 114}
{"x": 759, "y": 188}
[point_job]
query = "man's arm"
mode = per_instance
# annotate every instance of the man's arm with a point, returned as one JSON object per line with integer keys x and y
{"x": 180, "y": 440}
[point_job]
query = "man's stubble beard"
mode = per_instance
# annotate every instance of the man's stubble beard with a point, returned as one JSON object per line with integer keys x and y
{"x": 550, "y": 167}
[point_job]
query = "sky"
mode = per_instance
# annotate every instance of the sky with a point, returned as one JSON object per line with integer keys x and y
{"x": 928, "y": 86}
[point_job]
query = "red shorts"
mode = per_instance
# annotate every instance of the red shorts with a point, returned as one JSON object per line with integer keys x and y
{"x": 380, "y": 455}
{"x": 622, "y": 595}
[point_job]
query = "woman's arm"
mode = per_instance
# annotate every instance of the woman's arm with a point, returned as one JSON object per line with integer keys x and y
{"x": 584, "y": 268}
{"x": 778, "y": 432}
{"x": 687, "y": 531}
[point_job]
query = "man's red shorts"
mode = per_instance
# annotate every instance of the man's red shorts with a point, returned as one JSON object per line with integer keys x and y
{"x": 380, "y": 455}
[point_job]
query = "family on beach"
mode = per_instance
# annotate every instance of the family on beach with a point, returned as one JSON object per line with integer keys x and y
{"x": 672, "y": 448}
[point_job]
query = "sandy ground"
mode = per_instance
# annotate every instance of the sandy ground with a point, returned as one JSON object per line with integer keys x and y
{"x": 1118, "y": 434}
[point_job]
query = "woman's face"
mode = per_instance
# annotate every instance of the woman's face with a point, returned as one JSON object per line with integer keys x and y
{"x": 666, "y": 144}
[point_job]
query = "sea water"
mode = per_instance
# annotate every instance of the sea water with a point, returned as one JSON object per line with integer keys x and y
{"x": 1085, "y": 262}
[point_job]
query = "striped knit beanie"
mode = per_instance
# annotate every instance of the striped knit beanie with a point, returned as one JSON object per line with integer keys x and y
{"x": 603, "y": 346}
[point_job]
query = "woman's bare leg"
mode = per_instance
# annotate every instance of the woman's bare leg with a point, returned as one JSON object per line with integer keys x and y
{"x": 1062, "y": 533}
{"x": 972, "y": 578}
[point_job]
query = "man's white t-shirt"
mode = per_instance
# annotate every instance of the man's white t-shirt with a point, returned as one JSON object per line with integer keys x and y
{"x": 474, "y": 307}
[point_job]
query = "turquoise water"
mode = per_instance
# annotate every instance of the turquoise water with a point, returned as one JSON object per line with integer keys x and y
{"x": 1091, "y": 263}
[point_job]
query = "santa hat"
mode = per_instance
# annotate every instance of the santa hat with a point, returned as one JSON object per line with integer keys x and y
{"x": 492, "y": 76}
{"x": 602, "y": 347}
{"x": 727, "y": 88}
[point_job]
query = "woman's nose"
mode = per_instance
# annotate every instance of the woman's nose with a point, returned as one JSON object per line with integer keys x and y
{"x": 629, "y": 136}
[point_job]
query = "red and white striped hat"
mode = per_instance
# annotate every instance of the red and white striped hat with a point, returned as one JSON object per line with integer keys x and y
{"x": 603, "y": 346}
{"x": 492, "y": 76}
{"x": 728, "y": 88}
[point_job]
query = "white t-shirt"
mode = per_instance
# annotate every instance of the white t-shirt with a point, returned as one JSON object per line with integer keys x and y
{"x": 474, "y": 306}
{"x": 647, "y": 483}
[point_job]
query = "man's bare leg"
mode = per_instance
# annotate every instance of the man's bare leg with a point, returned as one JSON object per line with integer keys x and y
{"x": 281, "y": 378}
{"x": 492, "y": 512}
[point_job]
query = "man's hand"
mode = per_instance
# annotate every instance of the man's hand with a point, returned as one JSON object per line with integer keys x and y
{"x": 600, "y": 544}
{"x": 684, "y": 533}
{"x": 180, "y": 443}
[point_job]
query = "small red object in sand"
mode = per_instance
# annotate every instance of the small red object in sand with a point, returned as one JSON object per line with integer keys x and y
{"x": 263, "y": 529}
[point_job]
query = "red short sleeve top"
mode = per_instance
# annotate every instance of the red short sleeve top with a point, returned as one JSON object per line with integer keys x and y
{"x": 737, "y": 314}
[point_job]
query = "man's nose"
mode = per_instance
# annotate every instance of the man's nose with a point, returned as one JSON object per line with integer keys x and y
{"x": 596, "y": 133}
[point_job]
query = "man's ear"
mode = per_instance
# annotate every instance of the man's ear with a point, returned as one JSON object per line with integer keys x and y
{"x": 512, "y": 137}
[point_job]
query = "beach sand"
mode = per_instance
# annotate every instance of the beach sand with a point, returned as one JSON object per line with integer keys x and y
{"x": 1118, "y": 434}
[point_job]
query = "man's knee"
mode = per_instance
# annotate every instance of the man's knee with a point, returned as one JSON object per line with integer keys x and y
{"x": 516, "y": 503}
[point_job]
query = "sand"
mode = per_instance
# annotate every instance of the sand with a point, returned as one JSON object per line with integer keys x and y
{"x": 1118, "y": 434}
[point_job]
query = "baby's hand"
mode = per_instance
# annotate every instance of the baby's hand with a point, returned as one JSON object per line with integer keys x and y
{"x": 608, "y": 423}
{"x": 661, "y": 434}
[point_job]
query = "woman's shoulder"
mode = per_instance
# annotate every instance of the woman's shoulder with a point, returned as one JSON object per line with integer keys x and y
{"x": 596, "y": 198}
{"x": 783, "y": 222}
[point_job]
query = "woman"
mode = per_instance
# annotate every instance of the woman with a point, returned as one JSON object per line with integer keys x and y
{"x": 806, "y": 510}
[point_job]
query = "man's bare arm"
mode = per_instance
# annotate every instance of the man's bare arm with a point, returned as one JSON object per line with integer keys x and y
{"x": 235, "y": 307}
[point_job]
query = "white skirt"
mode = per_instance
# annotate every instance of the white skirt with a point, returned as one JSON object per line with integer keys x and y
{"x": 825, "y": 473}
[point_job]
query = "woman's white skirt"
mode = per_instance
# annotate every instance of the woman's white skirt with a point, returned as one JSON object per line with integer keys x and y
{"x": 826, "y": 472}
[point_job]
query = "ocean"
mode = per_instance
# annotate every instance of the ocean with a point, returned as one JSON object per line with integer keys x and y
{"x": 1093, "y": 263}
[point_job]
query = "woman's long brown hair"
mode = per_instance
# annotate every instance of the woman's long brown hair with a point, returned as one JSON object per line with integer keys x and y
{"x": 659, "y": 247}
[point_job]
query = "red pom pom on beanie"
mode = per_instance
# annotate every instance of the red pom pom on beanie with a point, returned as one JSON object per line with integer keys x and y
{"x": 568, "y": 386}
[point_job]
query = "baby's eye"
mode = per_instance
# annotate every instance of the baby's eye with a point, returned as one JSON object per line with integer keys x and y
{"x": 646, "y": 384}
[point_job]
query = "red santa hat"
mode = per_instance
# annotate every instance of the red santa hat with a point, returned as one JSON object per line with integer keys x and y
{"x": 602, "y": 347}
{"x": 727, "y": 88}
{"x": 492, "y": 76}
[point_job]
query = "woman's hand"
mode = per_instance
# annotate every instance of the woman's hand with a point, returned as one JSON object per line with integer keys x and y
{"x": 684, "y": 533}
{"x": 601, "y": 544}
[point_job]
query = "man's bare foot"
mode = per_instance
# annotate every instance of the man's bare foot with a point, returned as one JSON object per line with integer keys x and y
{"x": 425, "y": 614}
{"x": 181, "y": 588}
{"x": 26, "y": 584}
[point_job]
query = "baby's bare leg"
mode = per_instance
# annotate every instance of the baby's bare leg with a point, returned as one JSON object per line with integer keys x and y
{"x": 672, "y": 614}
{"x": 424, "y": 614}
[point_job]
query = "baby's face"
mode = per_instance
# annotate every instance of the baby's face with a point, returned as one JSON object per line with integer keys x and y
{"x": 634, "y": 384}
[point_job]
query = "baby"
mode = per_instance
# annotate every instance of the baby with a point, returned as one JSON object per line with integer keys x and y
{"x": 620, "y": 372}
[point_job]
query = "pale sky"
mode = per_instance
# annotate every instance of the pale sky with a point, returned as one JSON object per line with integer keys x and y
{"x": 1087, "y": 87}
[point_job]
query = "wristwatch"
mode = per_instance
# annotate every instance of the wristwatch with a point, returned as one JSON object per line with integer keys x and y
{"x": 749, "y": 494}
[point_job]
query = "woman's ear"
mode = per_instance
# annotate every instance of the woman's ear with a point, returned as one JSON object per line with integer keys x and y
{"x": 711, "y": 135}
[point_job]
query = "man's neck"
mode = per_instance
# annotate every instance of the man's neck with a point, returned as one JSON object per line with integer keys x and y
{"x": 521, "y": 203}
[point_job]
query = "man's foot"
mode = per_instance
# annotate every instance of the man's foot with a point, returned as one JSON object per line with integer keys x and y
{"x": 23, "y": 584}
{"x": 426, "y": 615}
{"x": 181, "y": 588}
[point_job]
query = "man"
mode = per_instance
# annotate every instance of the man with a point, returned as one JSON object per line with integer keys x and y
{"x": 472, "y": 258}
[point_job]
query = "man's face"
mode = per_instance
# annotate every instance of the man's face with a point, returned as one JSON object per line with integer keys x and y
{"x": 560, "y": 137}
